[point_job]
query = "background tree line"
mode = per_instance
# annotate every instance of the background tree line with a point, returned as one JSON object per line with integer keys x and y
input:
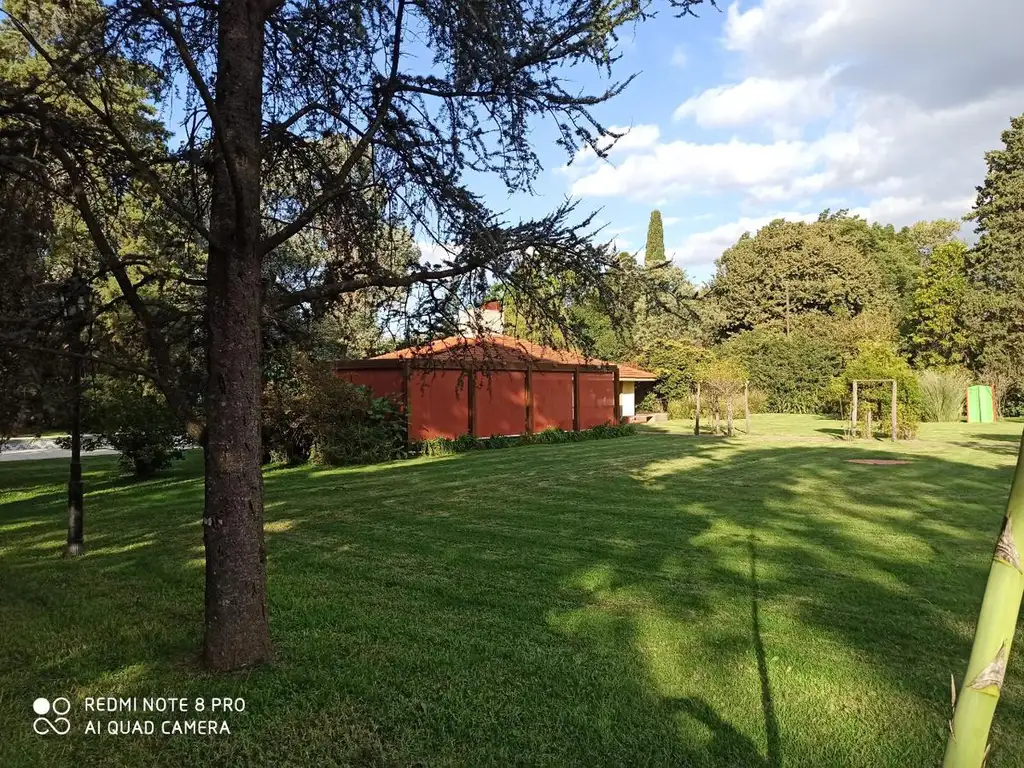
{"x": 799, "y": 307}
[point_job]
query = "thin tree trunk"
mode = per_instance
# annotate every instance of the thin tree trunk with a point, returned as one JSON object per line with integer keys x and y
{"x": 746, "y": 404}
{"x": 979, "y": 694}
{"x": 76, "y": 503}
{"x": 894, "y": 414}
{"x": 237, "y": 630}
{"x": 855, "y": 426}
{"x": 696, "y": 417}
{"x": 728, "y": 416}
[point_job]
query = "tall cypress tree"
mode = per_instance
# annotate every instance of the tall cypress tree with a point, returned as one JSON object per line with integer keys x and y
{"x": 995, "y": 267}
{"x": 655, "y": 251}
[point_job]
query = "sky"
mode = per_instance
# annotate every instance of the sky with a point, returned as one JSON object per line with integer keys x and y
{"x": 769, "y": 108}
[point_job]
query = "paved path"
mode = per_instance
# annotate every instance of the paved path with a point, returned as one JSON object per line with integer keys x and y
{"x": 28, "y": 448}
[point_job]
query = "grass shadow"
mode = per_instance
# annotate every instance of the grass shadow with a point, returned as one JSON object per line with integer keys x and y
{"x": 653, "y": 599}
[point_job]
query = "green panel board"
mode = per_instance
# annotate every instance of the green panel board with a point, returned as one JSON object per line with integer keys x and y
{"x": 980, "y": 409}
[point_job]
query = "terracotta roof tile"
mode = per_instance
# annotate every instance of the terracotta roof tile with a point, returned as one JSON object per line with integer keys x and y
{"x": 500, "y": 347}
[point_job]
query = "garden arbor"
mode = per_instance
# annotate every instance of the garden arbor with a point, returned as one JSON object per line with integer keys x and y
{"x": 855, "y": 389}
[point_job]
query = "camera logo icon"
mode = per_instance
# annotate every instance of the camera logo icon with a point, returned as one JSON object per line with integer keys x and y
{"x": 59, "y": 725}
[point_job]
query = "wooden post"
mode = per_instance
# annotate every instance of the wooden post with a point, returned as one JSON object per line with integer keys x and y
{"x": 894, "y": 429}
{"x": 405, "y": 400}
{"x": 853, "y": 412}
{"x": 869, "y": 423}
{"x": 576, "y": 399}
{"x": 696, "y": 422}
{"x": 728, "y": 416}
{"x": 472, "y": 403}
{"x": 746, "y": 403}
{"x": 529, "y": 399}
{"x": 617, "y": 407}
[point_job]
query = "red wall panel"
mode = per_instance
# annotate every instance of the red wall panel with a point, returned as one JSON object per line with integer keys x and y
{"x": 383, "y": 382}
{"x": 500, "y": 404}
{"x": 597, "y": 399}
{"x": 438, "y": 404}
{"x": 552, "y": 400}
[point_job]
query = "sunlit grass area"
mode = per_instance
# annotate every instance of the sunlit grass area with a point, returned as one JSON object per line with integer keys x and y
{"x": 655, "y": 600}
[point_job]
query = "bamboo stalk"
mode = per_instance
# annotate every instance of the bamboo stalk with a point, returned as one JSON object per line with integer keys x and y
{"x": 979, "y": 694}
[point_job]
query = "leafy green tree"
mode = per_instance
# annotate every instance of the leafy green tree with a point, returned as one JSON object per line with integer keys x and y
{"x": 937, "y": 331}
{"x": 792, "y": 268}
{"x": 654, "y": 253}
{"x": 879, "y": 359}
{"x": 995, "y": 266}
{"x": 897, "y": 254}
{"x": 677, "y": 362}
{"x": 132, "y": 416}
{"x": 794, "y": 371}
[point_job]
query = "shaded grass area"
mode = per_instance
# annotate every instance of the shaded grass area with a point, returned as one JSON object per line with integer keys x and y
{"x": 658, "y": 600}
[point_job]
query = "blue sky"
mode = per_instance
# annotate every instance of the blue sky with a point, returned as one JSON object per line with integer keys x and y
{"x": 784, "y": 107}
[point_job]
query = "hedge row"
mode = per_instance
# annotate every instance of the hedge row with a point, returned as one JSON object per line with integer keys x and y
{"x": 444, "y": 446}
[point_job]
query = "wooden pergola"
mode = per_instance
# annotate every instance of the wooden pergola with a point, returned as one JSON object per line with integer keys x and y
{"x": 853, "y": 414}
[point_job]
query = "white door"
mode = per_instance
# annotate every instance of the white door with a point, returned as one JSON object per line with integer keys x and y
{"x": 626, "y": 391}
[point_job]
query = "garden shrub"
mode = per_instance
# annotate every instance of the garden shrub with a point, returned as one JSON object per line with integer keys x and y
{"x": 943, "y": 394}
{"x": 676, "y": 363}
{"x": 792, "y": 372}
{"x": 129, "y": 415}
{"x": 1012, "y": 402}
{"x": 319, "y": 417}
{"x": 757, "y": 401}
{"x": 682, "y": 407}
{"x": 880, "y": 360}
{"x": 650, "y": 403}
{"x": 445, "y": 446}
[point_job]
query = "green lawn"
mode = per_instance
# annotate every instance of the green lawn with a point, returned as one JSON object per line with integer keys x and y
{"x": 653, "y": 600}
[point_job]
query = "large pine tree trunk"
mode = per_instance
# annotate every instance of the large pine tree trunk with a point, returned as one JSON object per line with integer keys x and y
{"x": 237, "y": 632}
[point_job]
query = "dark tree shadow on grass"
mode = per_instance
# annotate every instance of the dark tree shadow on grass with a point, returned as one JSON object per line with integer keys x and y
{"x": 492, "y": 607}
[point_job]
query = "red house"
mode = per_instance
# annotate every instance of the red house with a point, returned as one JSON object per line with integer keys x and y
{"x": 492, "y": 384}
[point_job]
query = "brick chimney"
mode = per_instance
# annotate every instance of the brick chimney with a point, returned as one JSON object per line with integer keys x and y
{"x": 489, "y": 318}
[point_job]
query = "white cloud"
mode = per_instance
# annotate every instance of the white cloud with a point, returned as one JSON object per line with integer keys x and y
{"x": 436, "y": 253}
{"x": 934, "y": 53}
{"x": 679, "y": 57}
{"x": 884, "y": 121}
{"x": 782, "y": 102}
{"x": 702, "y": 248}
{"x": 681, "y": 167}
{"x": 830, "y": 103}
{"x": 668, "y": 221}
{"x": 631, "y": 138}
{"x": 903, "y": 211}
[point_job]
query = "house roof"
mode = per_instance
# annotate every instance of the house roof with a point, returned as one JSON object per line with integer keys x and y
{"x": 500, "y": 348}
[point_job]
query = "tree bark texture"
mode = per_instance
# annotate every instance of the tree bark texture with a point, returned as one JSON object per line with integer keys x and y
{"x": 237, "y": 630}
